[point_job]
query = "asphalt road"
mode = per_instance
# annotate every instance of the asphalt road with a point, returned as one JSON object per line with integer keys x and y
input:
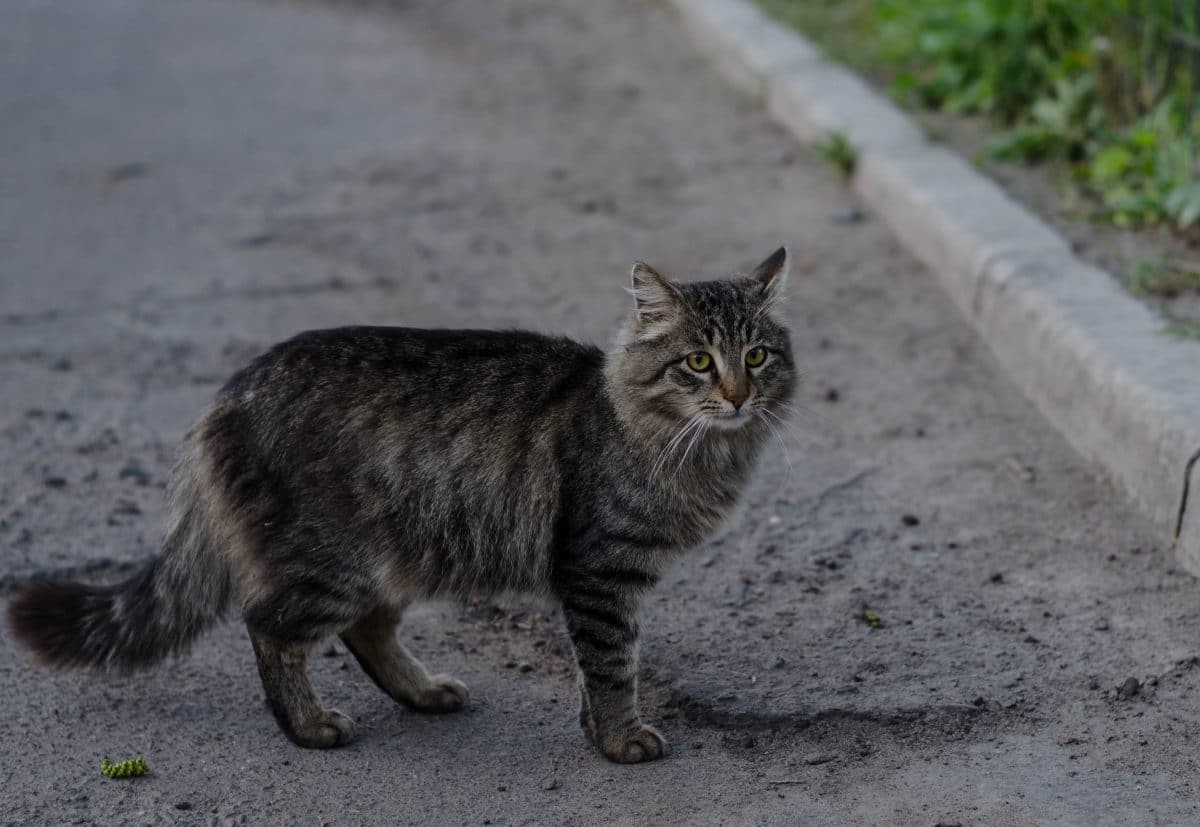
{"x": 183, "y": 182}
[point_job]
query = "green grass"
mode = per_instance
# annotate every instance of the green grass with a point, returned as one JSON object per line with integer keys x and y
{"x": 1184, "y": 330}
{"x": 1104, "y": 88}
{"x": 1165, "y": 278}
{"x": 836, "y": 150}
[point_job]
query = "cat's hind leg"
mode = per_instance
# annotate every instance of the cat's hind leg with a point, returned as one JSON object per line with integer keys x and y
{"x": 372, "y": 640}
{"x": 282, "y": 666}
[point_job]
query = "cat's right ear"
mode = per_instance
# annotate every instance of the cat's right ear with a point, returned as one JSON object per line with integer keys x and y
{"x": 656, "y": 301}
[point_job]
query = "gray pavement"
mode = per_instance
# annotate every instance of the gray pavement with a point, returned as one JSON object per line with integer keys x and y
{"x": 183, "y": 182}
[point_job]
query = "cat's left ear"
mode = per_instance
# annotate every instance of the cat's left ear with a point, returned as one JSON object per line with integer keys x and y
{"x": 657, "y": 302}
{"x": 772, "y": 274}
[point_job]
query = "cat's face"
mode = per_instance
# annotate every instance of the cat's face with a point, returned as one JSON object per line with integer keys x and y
{"x": 712, "y": 351}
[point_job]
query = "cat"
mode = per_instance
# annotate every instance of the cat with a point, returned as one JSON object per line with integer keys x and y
{"x": 347, "y": 472}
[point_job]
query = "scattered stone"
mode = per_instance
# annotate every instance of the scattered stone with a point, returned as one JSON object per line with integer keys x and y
{"x": 1101, "y": 626}
{"x": 525, "y": 666}
{"x": 128, "y": 172}
{"x": 63, "y": 416}
{"x": 183, "y": 805}
{"x": 850, "y": 214}
{"x": 998, "y": 577}
{"x": 139, "y": 475}
{"x": 552, "y": 784}
{"x": 1128, "y": 689}
{"x": 254, "y": 240}
{"x": 331, "y": 651}
{"x": 62, "y": 365}
{"x": 818, "y": 759}
{"x": 779, "y": 663}
{"x": 910, "y": 520}
{"x": 510, "y": 664}
{"x": 832, "y": 395}
{"x": 54, "y": 482}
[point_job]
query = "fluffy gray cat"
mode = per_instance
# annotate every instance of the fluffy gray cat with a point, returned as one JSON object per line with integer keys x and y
{"x": 345, "y": 473}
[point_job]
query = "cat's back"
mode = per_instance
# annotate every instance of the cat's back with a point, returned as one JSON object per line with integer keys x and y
{"x": 349, "y": 356}
{"x": 347, "y": 399}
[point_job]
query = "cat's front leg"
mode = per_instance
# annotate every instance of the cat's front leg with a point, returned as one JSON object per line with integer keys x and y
{"x": 602, "y": 621}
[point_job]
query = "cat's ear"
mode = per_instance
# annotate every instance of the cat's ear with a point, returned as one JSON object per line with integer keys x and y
{"x": 657, "y": 302}
{"x": 772, "y": 274}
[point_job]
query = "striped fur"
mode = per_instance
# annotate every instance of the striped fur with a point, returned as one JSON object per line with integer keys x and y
{"x": 347, "y": 472}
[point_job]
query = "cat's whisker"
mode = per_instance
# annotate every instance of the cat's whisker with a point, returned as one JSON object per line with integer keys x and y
{"x": 699, "y": 431}
{"x": 670, "y": 446}
{"x": 787, "y": 457}
{"x": 802, "y": 411}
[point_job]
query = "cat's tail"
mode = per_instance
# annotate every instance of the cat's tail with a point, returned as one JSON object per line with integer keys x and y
{"x": 158, "y": 611}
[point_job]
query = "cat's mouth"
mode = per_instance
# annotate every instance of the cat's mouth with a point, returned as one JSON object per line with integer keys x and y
{"x": 730, "y": 420}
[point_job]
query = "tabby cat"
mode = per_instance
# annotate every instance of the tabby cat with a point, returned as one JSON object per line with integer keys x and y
{"x": 345, "y": 473}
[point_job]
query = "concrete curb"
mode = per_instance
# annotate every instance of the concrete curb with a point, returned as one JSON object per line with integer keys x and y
{"x": 1097, "y": 362}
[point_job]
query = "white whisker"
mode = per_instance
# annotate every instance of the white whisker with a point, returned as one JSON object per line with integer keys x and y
{"x": 675, "y": 440}
{"x": 787, "y": 457}
{"x": 703, "y": 427}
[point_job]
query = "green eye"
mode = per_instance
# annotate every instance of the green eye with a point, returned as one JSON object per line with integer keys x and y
{"x": 699, "y": 361}
{"x": 755, "y": 356}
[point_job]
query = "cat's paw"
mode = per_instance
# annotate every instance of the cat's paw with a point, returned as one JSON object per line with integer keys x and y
{"x": 444, "y": 694}
{"x": 328, "y": 729}
{"x": 642, "y": 743}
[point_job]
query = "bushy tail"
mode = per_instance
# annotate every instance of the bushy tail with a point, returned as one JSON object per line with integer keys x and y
{"x": 155, "y": 613}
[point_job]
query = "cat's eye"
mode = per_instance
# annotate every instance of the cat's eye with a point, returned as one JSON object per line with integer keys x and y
{"x": 755, "y": 356}
{"x": 699, "y": 361}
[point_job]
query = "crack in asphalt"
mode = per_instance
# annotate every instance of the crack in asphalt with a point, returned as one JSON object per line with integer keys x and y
{"x": 1183, "y": 497}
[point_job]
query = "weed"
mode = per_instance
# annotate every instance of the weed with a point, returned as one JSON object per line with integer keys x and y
{"x": 837, "y": 151}
{"x": 1165, "y": 278}
{"x": 1107, "y": 89}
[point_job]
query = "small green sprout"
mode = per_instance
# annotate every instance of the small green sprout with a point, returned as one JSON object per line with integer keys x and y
{"x": 124, "y": 769}
{"x": 837, "y": 151}
{"x": 870, "y": 618}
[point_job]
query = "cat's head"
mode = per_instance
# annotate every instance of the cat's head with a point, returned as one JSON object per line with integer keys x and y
{"x": 716, "y": 350}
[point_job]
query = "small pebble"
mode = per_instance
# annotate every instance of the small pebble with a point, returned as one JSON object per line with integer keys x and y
{"x": 910, "y": 519}
{"x": 132, "y": 472}
{"x": 552, "y": 784}
{"x": 525, "y": 666}
{"x": 1129, "y": 688}
{"x": 54, "y": 482}
{"x": 851, "y": 214}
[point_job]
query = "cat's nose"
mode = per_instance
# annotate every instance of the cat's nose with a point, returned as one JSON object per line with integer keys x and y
{"x": 737, "y": 399}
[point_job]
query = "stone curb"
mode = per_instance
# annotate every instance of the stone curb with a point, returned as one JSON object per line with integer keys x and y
{"x": 1096, "y": 361}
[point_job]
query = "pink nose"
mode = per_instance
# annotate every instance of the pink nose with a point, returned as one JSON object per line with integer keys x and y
{"x": 737, "y": 399}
